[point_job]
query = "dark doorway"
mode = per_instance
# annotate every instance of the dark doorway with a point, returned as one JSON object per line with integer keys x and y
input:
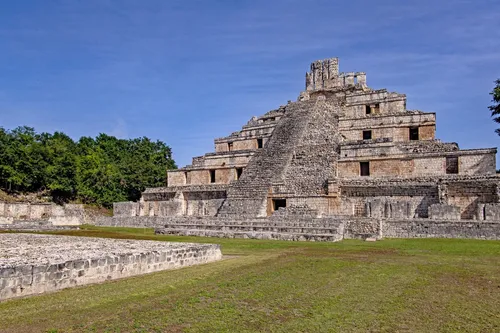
{"x": 212, "y": 176}
{"x": 364, "y": 168}
{"x": 277, "y": 203}
{"x": 452, "y": 165}
{"x": 230, "y": 146}
{"x": 239, "y": 171}
{"x": 368, "y": 109}
{"x": 260, "y": 143}
{"x": 367, "y": 135}
{"x": 414, "y": 133}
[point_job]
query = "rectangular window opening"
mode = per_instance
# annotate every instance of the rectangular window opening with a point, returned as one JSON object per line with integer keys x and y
{"x": 451, "y": 165}
{"x": 278, "y": 203}
{"x": 212, "y": 176}
{"x": 186, "y": 177}
{"x": 230, "y": 146}
{"x": 364, "y": 168}
{"x": 368, "y": 109}
{"x": 367, "y": 135}
{"x": 260, "y": 143}
{"x": 414, "y": 133}
{"x": 239, "y": 171}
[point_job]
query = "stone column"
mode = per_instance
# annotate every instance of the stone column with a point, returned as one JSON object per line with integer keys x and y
{"x": 361, "y": 78}
{"x": 309, "y": 82}
{"x": 443, "y": 193}
{"x": 349, "y": 79}
{"x": 333, "y": 68}
{"x": 317, "y": 72}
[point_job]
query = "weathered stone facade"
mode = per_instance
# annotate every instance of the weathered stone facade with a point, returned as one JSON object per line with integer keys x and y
{"x": 35, "y": 216}
{"x": 342, "y": 149}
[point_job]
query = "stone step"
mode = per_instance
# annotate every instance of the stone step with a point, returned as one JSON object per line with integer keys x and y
{"x": 334, "y": 237}
{"x": 25, "y": 226}
{"x": 297, "y": 224}
{"x": 247, "y": 228}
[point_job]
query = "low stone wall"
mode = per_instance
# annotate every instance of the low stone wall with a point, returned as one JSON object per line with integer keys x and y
{"x": 133, "y": 221}
{"x": 288, "y": 228}
{"x": 32, "y": 264}
{"x": 69, "y": 214}
{"x": 30, "y": 225}
{"x": 426, "y": 228}
{"x": 444, "y": 212}
{"x": 489, "y": 211}
{"x": 362, "y": 228}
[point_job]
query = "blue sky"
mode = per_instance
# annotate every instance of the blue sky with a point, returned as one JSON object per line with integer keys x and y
{"x": 186, "y": 72}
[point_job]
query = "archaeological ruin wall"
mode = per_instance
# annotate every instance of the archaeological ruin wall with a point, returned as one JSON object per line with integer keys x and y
{"x": 51, "y": 263}
{"x": 342, "y": 150}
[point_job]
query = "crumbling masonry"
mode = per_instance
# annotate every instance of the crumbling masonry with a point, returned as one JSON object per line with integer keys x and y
{"x": 343, "y": 160}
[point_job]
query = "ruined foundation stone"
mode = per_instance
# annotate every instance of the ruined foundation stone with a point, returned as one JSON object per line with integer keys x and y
{"x": 41, "y": 216}
{"x": 33, "y": 264}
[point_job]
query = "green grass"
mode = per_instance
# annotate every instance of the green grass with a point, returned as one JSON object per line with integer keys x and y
{"x": 399, "y": 285}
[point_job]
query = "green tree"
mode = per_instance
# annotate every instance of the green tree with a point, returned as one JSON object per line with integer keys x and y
{"x": 495, "y": 107}
{"x": 20, "y": 159}
{"x": 96, "y": 171}
{"x": 59, "y": 154}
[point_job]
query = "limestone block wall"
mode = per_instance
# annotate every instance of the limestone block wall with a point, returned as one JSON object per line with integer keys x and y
{"x": 362, "y": 228}
{"x": 6, "y": 220}
{"x": 126, "y": 208}
{"x": 388, "y": 103}
{"x": 197, "y": 203}
{"x": 176, "y": 178}
{"x": 69, "y": 214}
{"x": 83, "y": 261}
{"x": 17, "y": 210}
{"x": 429, "y": 166}
{"x": 426, "y": 132}
{"x": 427, "y": 228}
{"x": 40, "y": 211}
{"x": 245, "y": 144}
{"x": 378, "y": 168}
{"x": 229, "y": 159}
{"x": 490, "y": 211}
{"x": 403, "y": 201}
{"x": 444, "y": 212}
{"x": 397, "y": 134}
{"x": 411, "y": 165}
{"x": 468, "y": 196}
{"x": 319, "y": 204}
{"x": 170, "y": 208}
{"x": 203, "y": 204}
{"x": 198, "y": 177}
{"x": 477, "y": 164}
{"x": 223, "y": 175}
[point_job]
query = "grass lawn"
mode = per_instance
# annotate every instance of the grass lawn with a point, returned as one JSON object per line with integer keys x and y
{"x": 397, "y": 285}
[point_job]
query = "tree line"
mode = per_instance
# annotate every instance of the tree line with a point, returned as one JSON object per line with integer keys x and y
{"x": 99, "y": 170}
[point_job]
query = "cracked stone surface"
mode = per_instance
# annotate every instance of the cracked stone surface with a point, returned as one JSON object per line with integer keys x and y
{"x": 30, "y": 249}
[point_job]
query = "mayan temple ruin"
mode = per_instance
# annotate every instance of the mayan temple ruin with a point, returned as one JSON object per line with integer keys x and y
{"x": 344, "y": 160}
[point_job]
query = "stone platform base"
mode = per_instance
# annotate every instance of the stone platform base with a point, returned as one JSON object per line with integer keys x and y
{"x": 40, "y": 225}
{"x": 329, "y": 229}
{"x": 32, "y": 264}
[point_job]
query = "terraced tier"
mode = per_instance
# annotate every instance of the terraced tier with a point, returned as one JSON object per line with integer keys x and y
{"x": 329, "y": 230}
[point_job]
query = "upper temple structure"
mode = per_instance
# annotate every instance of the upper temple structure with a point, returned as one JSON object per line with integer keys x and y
{"x": 342, "y": 150}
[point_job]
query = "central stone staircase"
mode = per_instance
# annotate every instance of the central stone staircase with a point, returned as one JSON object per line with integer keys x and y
{"x": 248, "y": 196}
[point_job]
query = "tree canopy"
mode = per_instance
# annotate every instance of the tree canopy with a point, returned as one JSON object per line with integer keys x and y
{"x": 495, "y": 107}
{"x": 99, "y": 170}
